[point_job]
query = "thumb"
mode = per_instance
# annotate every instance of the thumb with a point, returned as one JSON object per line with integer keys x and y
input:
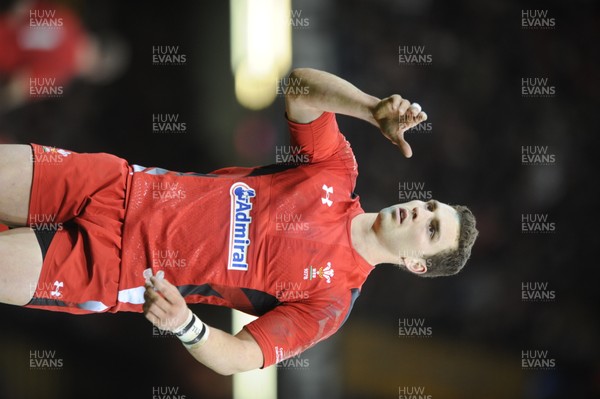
{"x": 404, "y": 146}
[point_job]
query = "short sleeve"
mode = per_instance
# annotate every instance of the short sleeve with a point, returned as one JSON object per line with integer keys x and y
{"x": 319, "y": 139}
{"x": 291, "y": 328}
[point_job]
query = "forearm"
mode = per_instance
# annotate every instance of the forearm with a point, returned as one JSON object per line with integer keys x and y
{"x": 312, "y": 92}
{"x": 224, "y": 353}
{"x": 227, "y": 354}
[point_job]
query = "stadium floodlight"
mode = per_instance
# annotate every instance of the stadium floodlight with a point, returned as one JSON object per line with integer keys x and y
{"x": 261, "y": 49}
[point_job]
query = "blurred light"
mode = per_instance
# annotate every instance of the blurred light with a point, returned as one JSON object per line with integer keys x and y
{"x": 261, "y": 383}
{"x": 261, "y": 49}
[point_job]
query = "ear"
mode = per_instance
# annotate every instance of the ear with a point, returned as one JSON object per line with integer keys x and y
{"x": 415, "y": 265}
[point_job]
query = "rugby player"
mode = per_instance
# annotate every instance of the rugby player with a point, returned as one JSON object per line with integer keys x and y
{"x": 92, "y": 233}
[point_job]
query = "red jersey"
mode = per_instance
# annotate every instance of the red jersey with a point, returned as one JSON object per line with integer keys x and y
{"x": 272, "y": 241}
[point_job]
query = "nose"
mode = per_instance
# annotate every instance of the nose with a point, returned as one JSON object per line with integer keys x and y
{"x": 418, "y": 211}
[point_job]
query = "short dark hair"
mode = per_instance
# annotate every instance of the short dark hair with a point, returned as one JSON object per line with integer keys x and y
{"x": 451, "y": 261}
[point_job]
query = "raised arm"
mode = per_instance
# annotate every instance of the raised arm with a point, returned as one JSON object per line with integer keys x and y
{"x": 222, "y": 352}
{"x": 311, "y": 92}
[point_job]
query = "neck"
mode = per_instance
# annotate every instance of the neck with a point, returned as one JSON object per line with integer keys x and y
{"x": 364, "y": 239}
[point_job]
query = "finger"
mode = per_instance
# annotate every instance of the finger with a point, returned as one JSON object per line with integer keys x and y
{"x": 413, "y": 121}
{"x": 168, "y": 290}
{"x": 414, "y": 109}
{"x": 404, "y": 104}
{"x": 396, "y": 100}
{"x": 404, "y": 146}
{"x": 151, "y": 317}
{"x": 162, "y": 316}
{"x": 152, "y": 298}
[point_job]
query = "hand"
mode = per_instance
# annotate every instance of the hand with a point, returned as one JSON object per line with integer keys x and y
{"x": 395, "y": 115}
{"x": 164, "y": 306}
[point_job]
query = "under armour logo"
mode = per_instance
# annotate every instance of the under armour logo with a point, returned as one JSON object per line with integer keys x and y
{"x": 326, "y": 200}
{"x": 57, "y": 286}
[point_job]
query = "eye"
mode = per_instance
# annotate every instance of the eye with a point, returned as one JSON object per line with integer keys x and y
{"x": 431, "y": 230}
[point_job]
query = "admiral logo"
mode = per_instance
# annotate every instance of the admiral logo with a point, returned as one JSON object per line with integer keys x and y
{"x": 239, "y": 228}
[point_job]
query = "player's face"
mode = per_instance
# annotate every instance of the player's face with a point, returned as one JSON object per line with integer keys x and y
{"x": 417, "y": 229}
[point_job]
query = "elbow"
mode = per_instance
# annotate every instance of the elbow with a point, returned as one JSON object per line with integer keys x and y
{"x": 224, "y": 372}
{"x": 297, "y": 86}
{"x": 298, "y": 73}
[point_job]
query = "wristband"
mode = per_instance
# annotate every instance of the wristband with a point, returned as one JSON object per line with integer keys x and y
{"x": 177, "y": 331}
{"x": 192, "y": 332}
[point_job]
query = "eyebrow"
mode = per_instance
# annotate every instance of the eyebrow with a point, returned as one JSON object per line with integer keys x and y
{"x": 438, "y": 229}
{"x": 436, "y": 220}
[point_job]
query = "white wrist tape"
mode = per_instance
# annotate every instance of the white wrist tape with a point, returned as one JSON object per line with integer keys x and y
{"x": 187, "y": 321}
{"x": 193, "y": 332}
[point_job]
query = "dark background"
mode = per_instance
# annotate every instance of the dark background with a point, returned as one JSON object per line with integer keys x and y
{"x": 472, "y": 94}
